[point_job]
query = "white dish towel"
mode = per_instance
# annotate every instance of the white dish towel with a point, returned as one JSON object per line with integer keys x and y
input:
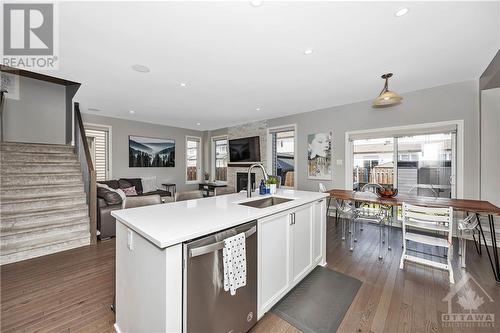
{"x": 235, "y": 263}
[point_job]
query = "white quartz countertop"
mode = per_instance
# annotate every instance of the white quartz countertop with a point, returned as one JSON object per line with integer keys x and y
{"x": 173, "y": 223}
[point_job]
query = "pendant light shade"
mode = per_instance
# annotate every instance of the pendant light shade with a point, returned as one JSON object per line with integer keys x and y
{"x": 387, "y": 97}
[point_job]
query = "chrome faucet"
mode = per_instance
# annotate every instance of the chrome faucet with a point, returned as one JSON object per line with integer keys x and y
{"x": 249, "y": 183}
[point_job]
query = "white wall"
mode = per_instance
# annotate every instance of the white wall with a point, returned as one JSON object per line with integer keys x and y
{"x": 39, "y": 115}
{"x": 450, "y": 102}
{"x": 121, "y": 129}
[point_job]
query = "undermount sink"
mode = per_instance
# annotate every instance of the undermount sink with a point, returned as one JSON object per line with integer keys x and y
{"x": 266, "y": 202}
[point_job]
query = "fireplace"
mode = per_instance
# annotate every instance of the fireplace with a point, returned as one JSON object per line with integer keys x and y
{"x": 242, "y": 181}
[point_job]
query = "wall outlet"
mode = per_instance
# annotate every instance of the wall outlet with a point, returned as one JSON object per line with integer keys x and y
{"x": 339, "y": 162}
{"x": 130, "y": 240}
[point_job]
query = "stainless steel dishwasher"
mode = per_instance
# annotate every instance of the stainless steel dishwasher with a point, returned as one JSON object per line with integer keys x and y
{"x": 207, "y": 307}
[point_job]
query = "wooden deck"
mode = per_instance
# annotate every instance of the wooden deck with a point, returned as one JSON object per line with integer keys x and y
{"x": 72, "y": 291}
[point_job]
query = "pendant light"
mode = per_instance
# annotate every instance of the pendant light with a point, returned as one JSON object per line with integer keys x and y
{"x": 387, "y": 97}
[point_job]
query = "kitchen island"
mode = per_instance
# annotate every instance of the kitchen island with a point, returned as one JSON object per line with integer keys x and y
{"x": 151, "y": 255}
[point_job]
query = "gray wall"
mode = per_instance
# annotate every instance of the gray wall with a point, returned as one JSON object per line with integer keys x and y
{"x": 121, "y": 129}
{"x": 450, "y": 102}
{"x": 490, "y": 145}
{"x": 39, "y": 115}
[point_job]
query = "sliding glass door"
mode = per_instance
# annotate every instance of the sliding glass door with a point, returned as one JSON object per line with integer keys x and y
{"x": 415, "y": 164}
{"x": 373, "y": 162}
{"x": 426, "y": 165}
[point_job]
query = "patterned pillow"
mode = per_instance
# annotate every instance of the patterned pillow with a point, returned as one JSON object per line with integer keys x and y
{"x": 129, "y": 191}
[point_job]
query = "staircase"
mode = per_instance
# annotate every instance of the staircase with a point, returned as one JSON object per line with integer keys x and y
{"x": 43, "y": 206}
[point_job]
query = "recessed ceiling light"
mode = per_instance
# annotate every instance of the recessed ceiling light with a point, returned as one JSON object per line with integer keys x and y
{"x": 131, "y": 112}
{"x": 198, "y": 124}
{"x": 308, "y": 51}
{"x": 94, "y": 109}
{"x": 256, "y": 3}
{"x": 257, "y": 109}
{"x": 183, "y": 84}
{"x": 141, "y": 68}
{"x": 401, "y": 12}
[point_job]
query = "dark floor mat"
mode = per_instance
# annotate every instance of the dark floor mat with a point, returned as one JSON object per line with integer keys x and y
{"x": 319, "y": 302}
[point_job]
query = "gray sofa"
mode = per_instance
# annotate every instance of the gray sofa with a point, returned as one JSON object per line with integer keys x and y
{"x": 108, "y": 201}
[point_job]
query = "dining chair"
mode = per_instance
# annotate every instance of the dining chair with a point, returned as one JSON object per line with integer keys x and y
{"x": 465, "y": 226}
{"x": 188, "y": 195}
{"x": 322, "y": 189}
{"x": 374, "y": 214}
{"x": 414, "y": 190}
{"x": 224, "y": 190}
{"x": 428, "y": 219}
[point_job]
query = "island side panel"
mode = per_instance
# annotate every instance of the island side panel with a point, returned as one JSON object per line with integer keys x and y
{"x": 148, "y": 285}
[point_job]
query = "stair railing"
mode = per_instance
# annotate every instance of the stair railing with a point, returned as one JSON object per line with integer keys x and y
{"x": 2, "y": 102}
{"x": 89, "y": 174}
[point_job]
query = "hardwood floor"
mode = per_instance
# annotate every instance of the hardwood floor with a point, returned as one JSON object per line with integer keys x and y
{"x": 69, "y": 291}
{"x": 72, "y": 291}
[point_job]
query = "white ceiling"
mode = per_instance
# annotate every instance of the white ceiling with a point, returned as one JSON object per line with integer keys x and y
{"x": 235, "y": 57}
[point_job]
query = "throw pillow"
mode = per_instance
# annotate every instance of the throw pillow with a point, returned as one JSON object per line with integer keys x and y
{"x": 129, "y": 191}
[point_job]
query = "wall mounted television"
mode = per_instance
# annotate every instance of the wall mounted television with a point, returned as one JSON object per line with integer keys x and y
{"x": 244, "y": 150}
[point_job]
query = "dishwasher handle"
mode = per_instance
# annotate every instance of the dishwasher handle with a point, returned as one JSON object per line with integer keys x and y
{"x": 199, "y": 251}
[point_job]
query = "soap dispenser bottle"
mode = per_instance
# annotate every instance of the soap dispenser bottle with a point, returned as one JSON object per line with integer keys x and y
{"x": 262, "y": 187}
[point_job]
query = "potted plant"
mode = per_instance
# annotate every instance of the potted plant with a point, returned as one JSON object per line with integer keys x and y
{"x": 207, "y": 176}
{"x": 272, "y": 182}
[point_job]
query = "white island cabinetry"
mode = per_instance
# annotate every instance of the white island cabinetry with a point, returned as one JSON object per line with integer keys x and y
{"x": 151, "y": 257}
{"x": 290, "y": 245}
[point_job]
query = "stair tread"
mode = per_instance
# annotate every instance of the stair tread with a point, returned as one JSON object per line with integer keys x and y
{"x": 12, "y": 143}
{"x": 27, "y": 197}
{"x": 22, "y": 187}
{"x": 6, "y": 250}
{"x": 49, "y": 217}
{"x": 27, "y": 226}
{"x": 33, "y": 174}
{"x": 44, "y": 212}
{"x": 27, "y": 254}
{"x": 43, "y": 198}
{"x": 30, "y": 254}
{"x": 37, "y": 234}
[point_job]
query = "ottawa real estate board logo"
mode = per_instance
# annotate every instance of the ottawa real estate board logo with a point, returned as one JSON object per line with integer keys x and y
{"x": 30, "y": 35}
{"x": 470, "y": 301}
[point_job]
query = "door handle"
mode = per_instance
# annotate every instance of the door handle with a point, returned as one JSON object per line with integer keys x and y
{"x": 198, "y": 251}
{"x": 292, "y": 218}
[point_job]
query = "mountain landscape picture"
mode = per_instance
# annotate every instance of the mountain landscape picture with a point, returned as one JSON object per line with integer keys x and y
{"x": 150, "y": 152}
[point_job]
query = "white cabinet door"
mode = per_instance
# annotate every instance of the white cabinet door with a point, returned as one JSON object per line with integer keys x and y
{"x": 273, "y": 260}
{"x": 319, "y": 230}
{"x": 301, "y": 242}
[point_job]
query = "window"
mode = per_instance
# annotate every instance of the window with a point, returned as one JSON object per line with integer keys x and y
{"x": 220, "y": 157}
{"x": 193, "y": 159}
{"x": 281, "y": 145}
{"x": 99, "y": 142}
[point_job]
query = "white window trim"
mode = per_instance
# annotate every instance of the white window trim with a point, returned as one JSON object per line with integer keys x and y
{"x": 212, "y": 153}
{"x": 269, "y": 154}
{"x": 109, "y": 128}
{"x": 198, "y": 160}
{"x": 459, "y": 179}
